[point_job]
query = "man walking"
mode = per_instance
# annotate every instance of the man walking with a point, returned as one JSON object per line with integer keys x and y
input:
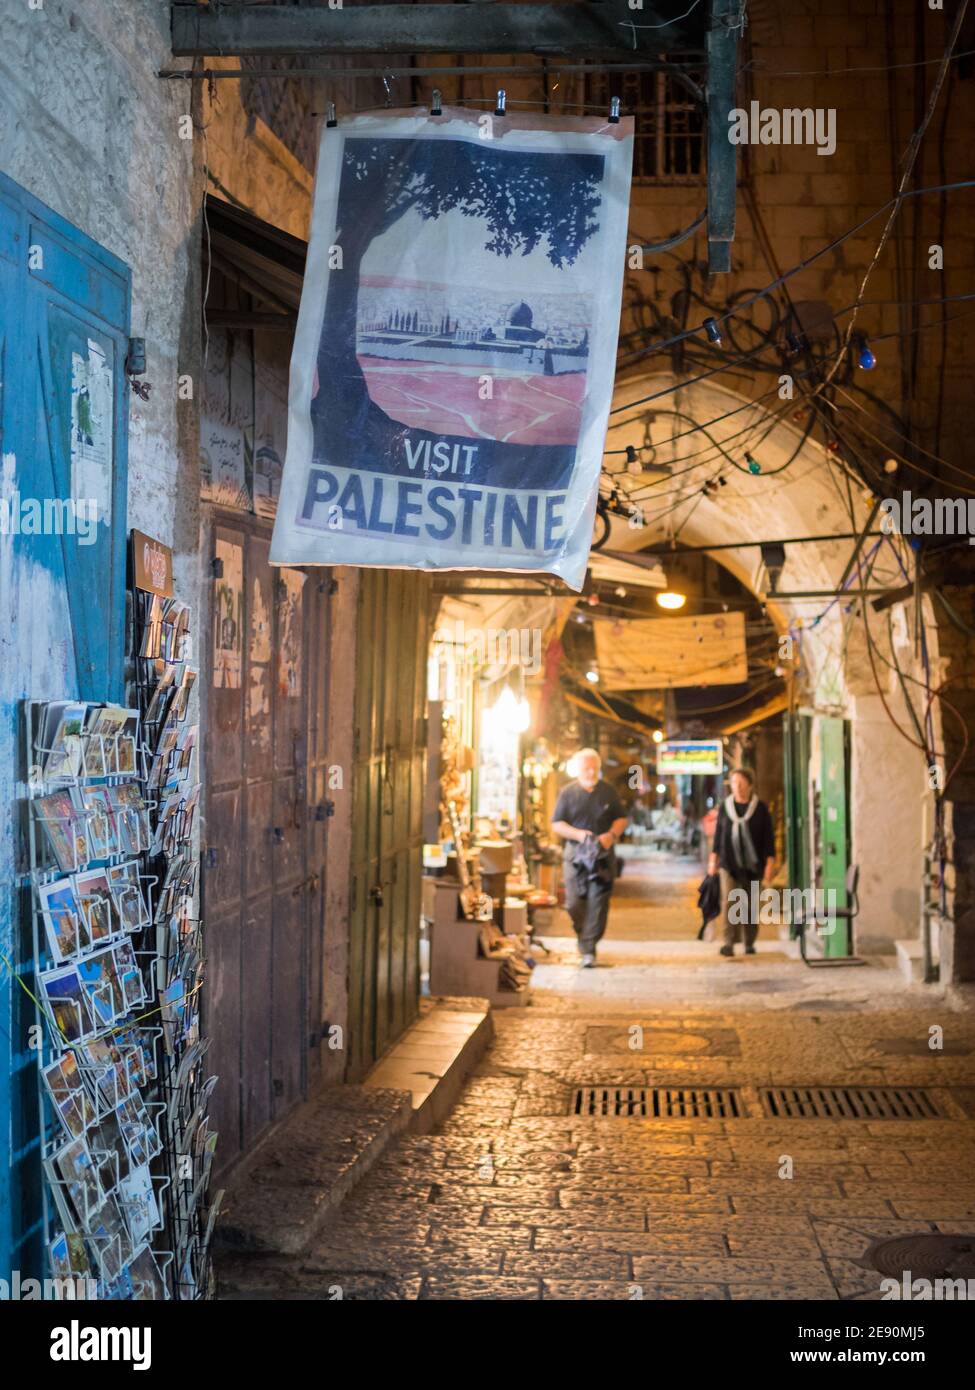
{"x": 744, "y": 852}
{"x": 590, "y": 818}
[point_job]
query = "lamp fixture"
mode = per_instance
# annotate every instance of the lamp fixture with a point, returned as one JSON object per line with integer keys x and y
{"x": 671, "y": 600}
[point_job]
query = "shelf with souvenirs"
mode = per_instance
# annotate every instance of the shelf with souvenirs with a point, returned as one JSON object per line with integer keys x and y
{"x": 164, "y": 682}
{"x": 97, "y": 1037}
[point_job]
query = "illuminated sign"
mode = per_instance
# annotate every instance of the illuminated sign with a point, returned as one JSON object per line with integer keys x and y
{"x": 699, "y": 758}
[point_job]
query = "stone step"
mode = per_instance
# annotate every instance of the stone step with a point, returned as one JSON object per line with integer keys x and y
{"x": 434, "y": 1057}
{"x": 280, "y": 1201}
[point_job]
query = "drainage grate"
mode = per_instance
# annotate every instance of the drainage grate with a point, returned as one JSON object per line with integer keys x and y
{"x": 656, "y": 1103}
{"x": 848, "y": 1103}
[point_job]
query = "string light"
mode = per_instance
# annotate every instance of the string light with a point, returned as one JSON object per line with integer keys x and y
{"x": 866, "y": 361}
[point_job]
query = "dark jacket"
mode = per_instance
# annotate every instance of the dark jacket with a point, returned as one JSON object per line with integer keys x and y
{"x": 763, "y": 837}
{"x": 591, "y": 863}
{"x": 709, "y": 901}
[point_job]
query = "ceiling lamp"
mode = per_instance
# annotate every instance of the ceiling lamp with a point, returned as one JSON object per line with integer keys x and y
{"x": 657, "y": 735}
{"x": 592, "y": 676}
{"x": 670, "y": 599}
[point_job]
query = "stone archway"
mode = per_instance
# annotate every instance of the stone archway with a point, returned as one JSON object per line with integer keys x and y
{"x": 839, "y": 672}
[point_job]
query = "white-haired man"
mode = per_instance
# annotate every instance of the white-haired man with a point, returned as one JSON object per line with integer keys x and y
{"x": 590, "y": 818}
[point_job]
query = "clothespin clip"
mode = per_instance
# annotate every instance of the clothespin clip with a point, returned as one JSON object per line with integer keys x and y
{"x": 499, "y": 110}
{"x": 614, "y": 110}
{"x": 330, "y": 120}
{"x": 436, "y": 109}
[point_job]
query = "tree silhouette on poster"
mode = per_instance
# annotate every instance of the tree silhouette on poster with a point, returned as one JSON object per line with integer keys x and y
{"x": 525, "y": 199}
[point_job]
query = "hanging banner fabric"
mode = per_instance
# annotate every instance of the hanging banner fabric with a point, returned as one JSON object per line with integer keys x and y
{"x": 454, "y": 359}
{"x": 662, "y": 653}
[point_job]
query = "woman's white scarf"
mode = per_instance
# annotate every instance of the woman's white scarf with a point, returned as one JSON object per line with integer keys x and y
{"x": 741, "y": 837}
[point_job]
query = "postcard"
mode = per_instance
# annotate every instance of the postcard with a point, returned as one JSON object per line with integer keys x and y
{"x": 62, "y": 817}
{"x": 137, "y": 1051}
{"x": 99, "y": 978}
{"x": 110, "y": 1240}
{"x": 129, "y": 976}
{"x": 107, "y": 1144}
{"x": 108, "y": 1074}
{"x": 61, "y": 736}
{"x": 66, "y": 999}
{"x": 182, "y": 701}
{"x": 101, "y": 744}
{"x": 94, "y": 893}
{"x": 72, "y": 1102}
{"x": 161, "y": 696}
{"x": 138, "y": 1202}
{"x": 126, "y": 889}
{"x": 130, "y": 817}
{"x": 100, "y": 818}
{"x": 74, "y": 1168}
{"x": 147, "y": 1281}
{"x": 64, "y": 922}
{"x": 137, "y": 1128}
{"x": 127, "y": 745}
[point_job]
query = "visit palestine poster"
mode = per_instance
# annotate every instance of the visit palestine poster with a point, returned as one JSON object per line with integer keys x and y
{"x": 454, "y": 357}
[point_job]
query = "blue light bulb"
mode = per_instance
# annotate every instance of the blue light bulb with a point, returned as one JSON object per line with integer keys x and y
{"x": 865, "y": 358}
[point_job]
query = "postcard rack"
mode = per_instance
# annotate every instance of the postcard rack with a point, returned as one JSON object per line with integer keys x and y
{"x": 163, "y": 683}
{"x": 96, "y": 1037}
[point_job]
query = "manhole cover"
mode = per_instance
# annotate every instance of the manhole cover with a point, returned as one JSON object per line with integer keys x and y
{"x": 660, "y": 1042}
{"x": 925, "y": 1256}
{"x": 657, "y": 1102}
{"x": 848, "y": 1103}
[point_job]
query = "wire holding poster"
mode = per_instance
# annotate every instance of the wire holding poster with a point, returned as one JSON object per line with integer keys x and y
{"x": 453, "y": 365}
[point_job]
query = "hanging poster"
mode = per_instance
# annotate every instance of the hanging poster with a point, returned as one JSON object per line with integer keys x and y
{"x": 454, "y": 360}
{"x": 227, "y": 617}
{"x": 92, "y": 402}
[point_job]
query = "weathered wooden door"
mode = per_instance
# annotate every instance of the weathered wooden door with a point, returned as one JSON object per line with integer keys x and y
{"x": 259, "y": 893}
{"x": 64, "y": 324}
{"x": 387, "y": 857}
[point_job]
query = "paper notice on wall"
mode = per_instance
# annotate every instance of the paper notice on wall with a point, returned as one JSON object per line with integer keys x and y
{"x": 228, "y": 613}
{"x": 290, "y": 629}
{"x": 270, "y": 434}
{"x": 223, "y": 464}
{"x": 453, "y": 366}
{"x": 92, "y": 421}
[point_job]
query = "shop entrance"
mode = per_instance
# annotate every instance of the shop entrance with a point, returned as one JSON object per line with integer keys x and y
{"x": 264, "y": 861}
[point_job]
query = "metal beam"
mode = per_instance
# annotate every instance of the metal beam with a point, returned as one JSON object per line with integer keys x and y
{"x": 727, "y": 22}
{"x": 586, "y": 30}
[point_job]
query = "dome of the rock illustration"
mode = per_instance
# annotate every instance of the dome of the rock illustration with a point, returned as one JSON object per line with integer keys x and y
{"x": 521, "y": 317}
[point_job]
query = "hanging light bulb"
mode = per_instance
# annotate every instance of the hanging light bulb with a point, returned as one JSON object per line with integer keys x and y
{"x": 865, "y": 358}
{"x": 891, "y": 465}
{"x": 657, "y": 735}
{"x": 713, "y": 331}
{"x": 592, "y": 676}
{"x": 670, "y": 599}
{"x": 511, "y": 713}
{"x": 753, "y": 464}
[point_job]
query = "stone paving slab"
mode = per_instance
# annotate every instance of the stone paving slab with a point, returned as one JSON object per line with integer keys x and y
{"x": 513, "y": 1198}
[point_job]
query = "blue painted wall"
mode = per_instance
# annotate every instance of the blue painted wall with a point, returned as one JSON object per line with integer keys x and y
{"x": 62, "y": 603}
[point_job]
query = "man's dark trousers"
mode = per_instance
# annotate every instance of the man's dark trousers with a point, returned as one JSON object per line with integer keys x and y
{"x": 588, "y": 914}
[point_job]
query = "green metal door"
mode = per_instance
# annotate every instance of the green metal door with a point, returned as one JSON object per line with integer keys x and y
{"x": 834, "y": 827}
{"x": 387, "y": 857}
{"x": 795, "y": 745}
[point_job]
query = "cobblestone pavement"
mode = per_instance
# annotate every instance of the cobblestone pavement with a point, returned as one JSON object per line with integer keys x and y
{"x": 515, "y": 1198}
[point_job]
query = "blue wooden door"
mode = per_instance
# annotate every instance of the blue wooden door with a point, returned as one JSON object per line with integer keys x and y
{"x": 64, "y": 324}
